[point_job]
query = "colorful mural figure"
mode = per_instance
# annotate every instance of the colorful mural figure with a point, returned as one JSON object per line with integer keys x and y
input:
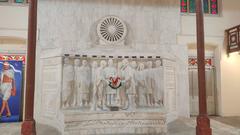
{"x": 10, "y": 90}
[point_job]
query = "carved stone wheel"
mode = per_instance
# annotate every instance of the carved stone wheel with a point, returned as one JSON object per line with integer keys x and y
{"x": 111, "y": 30}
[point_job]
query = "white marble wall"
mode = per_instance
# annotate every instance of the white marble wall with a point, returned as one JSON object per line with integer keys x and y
{"x": 72, "y": 23}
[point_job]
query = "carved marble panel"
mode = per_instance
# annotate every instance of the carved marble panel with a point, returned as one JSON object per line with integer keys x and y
{"x": 117, "y": 123}
{"x": 170, "y": 86}
{"x": 107, "y": 83}
{"x": 49, "y": 105}
{"x": 50, "y": 85}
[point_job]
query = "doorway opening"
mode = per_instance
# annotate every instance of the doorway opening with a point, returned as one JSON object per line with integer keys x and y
{"x": 210, "y": 86}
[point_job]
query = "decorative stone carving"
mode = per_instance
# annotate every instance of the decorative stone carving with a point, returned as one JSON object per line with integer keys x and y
{"x": 128, "y": 75}
{"x": 119, "y": 84}
{"x": 111, "y": 31}
{"x": 157, "y": 76}
{"x": 68, "y": 81}
{"x": 149, "y": 81}
{"x": 141, "y": 99}
{"x": 117, "y": 123}
{"x": 77, "y": 64}
{"x": 83, "y": 84}
{"x": 94, "y": 86}
{"x": 72, "y": 29}
{"x": 112, "y": 79}
{"x": 101, "y": 85}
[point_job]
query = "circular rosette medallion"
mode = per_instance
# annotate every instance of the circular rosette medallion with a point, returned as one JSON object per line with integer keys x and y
{"x": 111, "y": 29}
{"x": 115, "y": 82}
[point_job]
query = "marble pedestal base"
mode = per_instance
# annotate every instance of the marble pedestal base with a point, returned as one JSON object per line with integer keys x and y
{"x": 115, "y": 123}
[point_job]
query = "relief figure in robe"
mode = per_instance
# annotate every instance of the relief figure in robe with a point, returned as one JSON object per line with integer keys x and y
{"x": 77, "y": 64}
{"x": 101, "y": 85}
{"x": 94, "y": 87}
{"x": 110, "y": 76}
{"x": 68, "y": 81}
{"x": 158, "y": 78}
{"x": 149, "y": 81}
{"x": 121, "y": 93}
{"x": 129, "y": 84}
{"x": 141, "y": 86}
{"x": 83, "y": 83}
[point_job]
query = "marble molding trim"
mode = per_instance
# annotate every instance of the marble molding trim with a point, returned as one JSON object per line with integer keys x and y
{"x": 112, "y": 56}
{"x": 116, "y": 123}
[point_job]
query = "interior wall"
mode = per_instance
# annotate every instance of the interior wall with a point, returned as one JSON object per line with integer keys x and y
{"x": 230, "y": 84}
{"x": 71, "y": 24}
{"x": 229, "y": 16}
{"x": 14, "y": 21}
{"x": 13, "y": 28}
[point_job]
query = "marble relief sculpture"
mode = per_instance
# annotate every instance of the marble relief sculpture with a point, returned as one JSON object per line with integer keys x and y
{"x": 93, "y": 84}
{"x": 149, "y": 81}
{"x": 68, "y": 81}
{"x": 129, "y": 79}
{"x": 83, "y": 84}
{"x": 158, "y": 93}
{"x": 110, "y": 76}
{"x": 140, "y": 86}
{"x": 77, "y": 64}
{"x": 101, "y": 84}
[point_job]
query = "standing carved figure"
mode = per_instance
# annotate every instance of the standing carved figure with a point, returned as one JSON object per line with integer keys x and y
{"x": 101, "y": 84}
{"x": 77, "y": 64}
{"x": 68, "y": 79}
{"x": 110, "y": 76}
{"x": 94, "y": 87}
{"x": 158, "y": 77}
{"x": 130, "y": 85}
{"x": 83, "y": 90}
{"x": 141, "y": 86}
{"x": 149, "y": 81}
{"x": 121, "y": 93}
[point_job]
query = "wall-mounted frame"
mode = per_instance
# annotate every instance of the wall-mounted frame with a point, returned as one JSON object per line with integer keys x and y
{"x": 233, "y": 39}
{"x": 210, "y": 7}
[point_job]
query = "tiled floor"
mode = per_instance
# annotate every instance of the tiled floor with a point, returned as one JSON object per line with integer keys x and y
{"x": 15, "y": 129}
{"x": 218, "y": 128}
{"x": 183, "y": 126}
{"x": 232, "y": 121}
